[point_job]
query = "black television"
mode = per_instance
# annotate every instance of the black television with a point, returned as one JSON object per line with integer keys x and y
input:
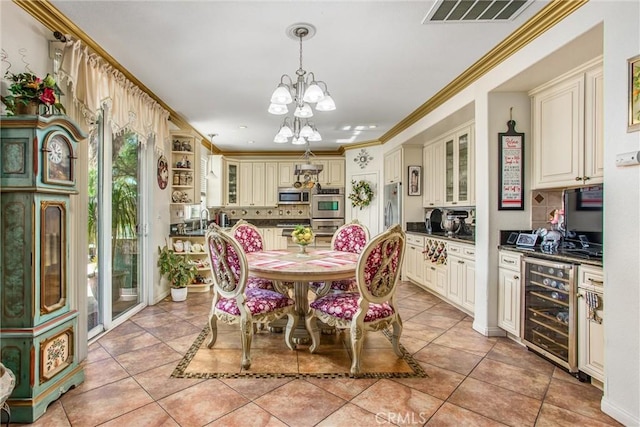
{"x": 583, "y": 208}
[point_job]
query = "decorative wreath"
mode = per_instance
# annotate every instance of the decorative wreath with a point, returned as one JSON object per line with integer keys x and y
{"x": 361, "y": 194}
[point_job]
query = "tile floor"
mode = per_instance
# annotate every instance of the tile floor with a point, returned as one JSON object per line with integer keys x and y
{"x": 473, "y": 380}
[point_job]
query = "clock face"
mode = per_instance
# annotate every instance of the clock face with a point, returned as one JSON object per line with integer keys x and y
{"x": 58, "y": 161}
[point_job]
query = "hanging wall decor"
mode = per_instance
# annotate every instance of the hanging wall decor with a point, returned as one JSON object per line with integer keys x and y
{"x": 511, "y": 170}
{"x": 163, "y": 172}
{"x": 363, "y": 158}
{"x": 634, "y": 94}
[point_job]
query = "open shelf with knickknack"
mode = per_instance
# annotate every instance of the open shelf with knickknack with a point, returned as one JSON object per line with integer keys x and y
{"x": 184, "y": 177}
{"x": 193, "y": 247}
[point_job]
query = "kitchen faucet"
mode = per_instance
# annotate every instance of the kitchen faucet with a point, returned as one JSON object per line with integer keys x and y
{"x": 206, "y": 212}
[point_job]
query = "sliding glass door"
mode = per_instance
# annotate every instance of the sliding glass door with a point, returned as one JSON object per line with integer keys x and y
{"x": 116, "y": 184}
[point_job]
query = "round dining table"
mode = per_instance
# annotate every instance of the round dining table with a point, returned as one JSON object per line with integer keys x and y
{"x": 290, "y": 266}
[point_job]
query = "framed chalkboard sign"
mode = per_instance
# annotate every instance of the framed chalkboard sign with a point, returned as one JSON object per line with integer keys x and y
{"x": 511, "y": 170}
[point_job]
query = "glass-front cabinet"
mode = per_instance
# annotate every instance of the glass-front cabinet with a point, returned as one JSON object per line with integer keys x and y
{"x": 459, "y": 188}
{"x": 232, "y": 183}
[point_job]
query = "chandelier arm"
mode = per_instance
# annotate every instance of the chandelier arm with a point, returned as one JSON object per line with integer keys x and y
{"x": 290, "y": 84}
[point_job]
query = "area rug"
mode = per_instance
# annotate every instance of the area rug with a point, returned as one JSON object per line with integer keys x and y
{"x": 271, "y": 358}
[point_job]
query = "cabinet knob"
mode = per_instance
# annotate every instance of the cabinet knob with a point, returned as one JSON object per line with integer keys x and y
{"x": 579, "y": 295}
{"x": 516, "y": 277}
{"x": 578, "y": 178}
{"x": 433, "y": 268}
{"x": 586, "y": 178}
{"x": 460, "y": 262}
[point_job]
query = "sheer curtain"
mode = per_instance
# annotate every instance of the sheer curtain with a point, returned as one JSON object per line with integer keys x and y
{"x": 93, "y": 82}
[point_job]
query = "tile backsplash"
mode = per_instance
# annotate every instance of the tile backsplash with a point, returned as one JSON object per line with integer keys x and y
{"x": 280, "y": 212}
{"x": 543, "y": 202}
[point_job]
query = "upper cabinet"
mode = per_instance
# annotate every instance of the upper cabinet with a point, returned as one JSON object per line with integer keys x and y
{"x": 449, "y": 164}
{"x": 232, "y": 169}
{"x": 332, "y": 174}
{"x": 568, "y": 143}
{"x": 433, "y": 160}
{"x": 258, "y": 183}
{"x": 393, "y": 167}
{"x": 285, "y": 174}
{"x": 184, "y": 163}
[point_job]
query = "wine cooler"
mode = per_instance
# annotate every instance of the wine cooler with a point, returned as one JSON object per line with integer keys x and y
{"x": 549, "y": 311}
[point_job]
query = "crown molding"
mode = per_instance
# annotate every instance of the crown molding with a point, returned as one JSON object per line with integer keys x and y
{"x": 549, "y": 16}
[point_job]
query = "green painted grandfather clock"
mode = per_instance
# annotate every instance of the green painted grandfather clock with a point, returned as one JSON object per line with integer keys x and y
{"x": 39, "y": 323}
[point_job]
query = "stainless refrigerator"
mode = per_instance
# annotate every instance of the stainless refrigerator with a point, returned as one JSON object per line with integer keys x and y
{"x": 392, "y": 204}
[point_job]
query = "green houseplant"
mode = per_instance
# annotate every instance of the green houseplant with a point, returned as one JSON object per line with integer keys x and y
{"x": 178, "y": 269}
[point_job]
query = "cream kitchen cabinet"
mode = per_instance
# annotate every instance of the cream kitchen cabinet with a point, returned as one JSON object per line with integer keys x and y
{"x": 258, "y": 184}
{"x": 273, "y": 239}
{"x": 459, "y": 169}
{"x": 332, "y": 174}
{"x": 433, "y": 161}
{"x": 509, "y": 292}
{"x": 567, "y": 128}
{"x": 414, "y": 259}
{"x": 435, "y": 276}
{"x": 462, "y": 275}
{"x": 393, "y": 167}
{"x": 232, "y": 173}
{"x": 591, "y": 322}
{"x": 285, "y": 174}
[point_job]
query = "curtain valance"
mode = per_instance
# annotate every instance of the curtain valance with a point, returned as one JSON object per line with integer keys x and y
{"x": 93, "y": 82}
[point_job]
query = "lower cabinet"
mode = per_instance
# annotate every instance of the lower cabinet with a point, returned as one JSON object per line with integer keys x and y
{"x": 414, "y": 259}
{"x": 436, "y": 278}
{"x": 273, "y": 239}
{"x": 462, "y": 275}
{"x": 591, "y": 322}
{"x": 509, "y": 292}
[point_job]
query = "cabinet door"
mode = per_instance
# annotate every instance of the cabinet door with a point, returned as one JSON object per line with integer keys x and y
{"x": 449, "y": 169}
{"x": 509, "y": 301}
{"x": 469, "y": 286}
{"x": 270, "y": 184}
{"x": 285, "y": 174}
{"x": 335, "y": 173}
{"x": 456, "y": 278}
{"x": 393, "y": 167}
{"x": 590, "y": 337}
{"x": 245, "y": 181}
{"x": 410, "y": 262}
{"x": 259, "y": 187}
{"x": 464, "y": 169}
{"x": 594, "y": 131}
{"x": 441, "y": 280}
{"x": 558, "y": 132}
{"x": 231, "y": 197}
{"x": 438, "y": 173}
{"x": 427, "y": 162}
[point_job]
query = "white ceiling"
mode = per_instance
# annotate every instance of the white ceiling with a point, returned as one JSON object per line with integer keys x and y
{"x": 216, "y": 63}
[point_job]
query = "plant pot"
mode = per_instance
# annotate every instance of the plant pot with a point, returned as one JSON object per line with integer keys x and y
{"x": 31, "y": 108}
{"x": 179, "y": 294}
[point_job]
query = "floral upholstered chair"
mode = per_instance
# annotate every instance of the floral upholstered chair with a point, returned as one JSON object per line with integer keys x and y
{"x": 372, "y": 307}
{"x": 250, "y": 239}
{"x": 234, "y": 303}
{"x": 351, "y": 237}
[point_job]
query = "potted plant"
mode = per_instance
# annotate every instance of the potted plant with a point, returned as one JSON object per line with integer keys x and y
{"x": 29, "y": 92}
{"x": 179, "y": 270}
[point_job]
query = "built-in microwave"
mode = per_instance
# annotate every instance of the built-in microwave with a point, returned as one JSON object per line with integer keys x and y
{"x": 293, "y": 196}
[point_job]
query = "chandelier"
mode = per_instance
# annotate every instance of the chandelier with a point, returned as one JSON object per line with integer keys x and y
{"x": 303, "y": 92}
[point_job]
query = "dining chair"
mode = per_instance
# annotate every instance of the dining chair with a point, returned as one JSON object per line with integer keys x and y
{"x": 250, "y": 239}
{"x": 370, "y": 308}
{"x": 351, "y": 237}
{"x": 233, "y": 302}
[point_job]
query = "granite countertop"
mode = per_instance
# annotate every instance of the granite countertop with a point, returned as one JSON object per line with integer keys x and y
{"x": 568, "y": 257}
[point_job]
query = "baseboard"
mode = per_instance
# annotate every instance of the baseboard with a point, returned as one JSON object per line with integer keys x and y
{"x": 492, "y": 331}
{"x": 619, "y": 414}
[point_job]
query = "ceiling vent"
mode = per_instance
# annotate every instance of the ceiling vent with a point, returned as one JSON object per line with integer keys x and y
{"x": 475, "y": 10}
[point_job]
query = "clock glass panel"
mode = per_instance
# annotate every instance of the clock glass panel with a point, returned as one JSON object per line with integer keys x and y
{"x": 59, "y": 160}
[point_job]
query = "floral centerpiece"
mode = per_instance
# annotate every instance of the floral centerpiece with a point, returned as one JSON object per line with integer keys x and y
{"x": 302, "y": 235}
{"x": 28, "y": 92}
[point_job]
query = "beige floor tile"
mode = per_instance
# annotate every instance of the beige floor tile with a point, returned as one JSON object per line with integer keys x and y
{"x": 352, "y": 416}
{"x": 250, "y": 415}
{"x": 458, "y": 361}
{"x": 146, "y": 321}
{"x": 496, "y": 402}
{"x": 270, "y": 360}
{"x": 552, "y": 416}
{"x": 417, "y": 329}
{"x": 577, "y": 398}
{"x": 512, "y": 353}
{"x": 105, "y": 403}
{"x": 306, "y": 404}
{"x": 55, "y": 415}
{"x": 202, "y": 403}
{"x": 397, "y": 403}
{"x": 324, "y": 361}
{"x": 466, "y": 339}
{"x": 435, "y": 320}
{"x": 119, "y": 344}
{"x": 252, "y": 388}
{"x": 99, "y": 373}
{"x": 148, "y": 358}
{"x": 173, "y": 330}
{"x": 452, "y": 415}
{"x": 96, "y": 352}
{"x": 182, "y": 344}
{"x": 447, "y": 310}
{"x": 158, "y": 382}
{"x": 346, "y": 388}
{"x": 215, "y": 360}
{"x": 523, "y": 381}
{"x": 149, "y": 415}
{"x": 439, "y": 382}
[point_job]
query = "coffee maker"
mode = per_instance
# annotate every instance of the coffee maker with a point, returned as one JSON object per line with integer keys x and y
{"x": 433, "y": 220}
